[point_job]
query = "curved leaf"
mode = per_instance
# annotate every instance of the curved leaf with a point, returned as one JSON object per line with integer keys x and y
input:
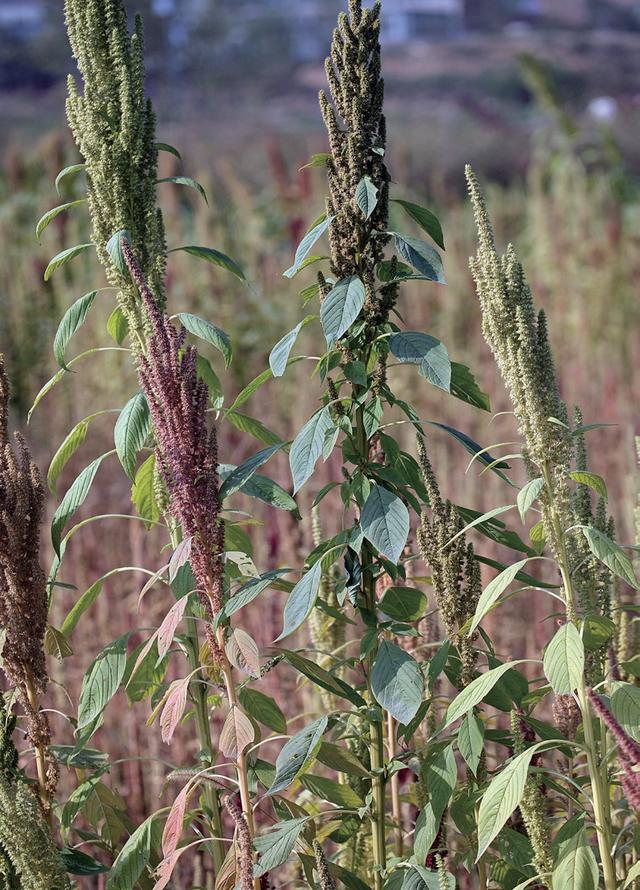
{"x": 131, "y": 431}
{"x": 476, "y": 691}
{"x": 397, "y": 682}
{"x": 297, "y": 754}
{"x": 493, "y": 590}
{"x": 341, "y": 307}
{"x": 50, "y": 215}
{"x": 563, "y": 661}
{"x": 307, "y": 243}
{"x": 366, "y": 196}
{"x": 241, "y": 475}
{"x": 71, "y": 170}
{"x": 427, "y": 220}
{"x": 208, "y": 332}
{"x": 188, "y": 181}
{"x": 279, "y": 355}
{"x": 301, "y": 600}
{"x": 421, "y": 256}
{"x": 307, "y": 446}
{"x": 612, "y": 555}
{"x": 73, "y": 319}
{"x": 102, "y": 680}
{"x": 216, "y": 257}
{"x": 62, "y": 258}
{"x": 385, "y": 522}
{"x": 73, "y": 499}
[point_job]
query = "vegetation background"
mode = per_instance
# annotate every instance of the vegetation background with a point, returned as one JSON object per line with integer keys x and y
{"x": 543, "y": 101}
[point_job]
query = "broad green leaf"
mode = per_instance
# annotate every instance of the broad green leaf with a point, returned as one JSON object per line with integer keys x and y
{"x": 143, "y": 493}
{"x": 275, "y": 847}
{"x": 50, "y": 215}
{"x": 56, "y": 644}
{"x": 102, "y": 680}
{"x": 420, "y": 878}
{"x": 625, "y": 705}
{"x": 301, "y": 600}
{"x": 340, "y": 759}
{"x": 73, "y": 319}
{"x": 263, "y": 489}
{"x": 297, "y": 754}
{"x": 341, "y": 307}
{"x": 427, "y": 220}
{"x": 62, "y": 258}
{"x": 131, "y": 431}
{"x": 307, "y": 447}
{"x": 594, "y": 481}
{"x": 385, "y": 522}
{"x": 242, "y": 474}
{"x": 528, "y": 494}
{"x": 73, "y": 500}
{"x": 493, "y": 591}
{"x": 71, "y": 170}
{"x": 563, "y": 661}
{"x": 208, "y": 332}
{"x": 75, "y": 862}
{"x": 323, "y": 678}
{"x": 87, "y": 599}
{"x": 471, "y": 740}
{"x": 188, "y": 181}
{"x": 397, "y": 682}
{"x": 334, "y": 792}
{"x": 263, "y": 709}
{"x": 597, "y": 630}
{"x": 465, "y": 388}
{"x": 77, "y": 799}
{"x": 164, "y": 146}
{"x": 304, "y": 248}
{"x": 114, "y": 249}
{"x": 134, "y": 856}
{"x": 72, "y": 441}
{"x": 248, "y": 592}
{"x": 424, "y": 350}
{"x": 216, "y": 257}
{"x": 403, "y": 603}
{"x": 421, "y": 256}
{"x": 117, "y": 325}
{"x": 439, "y": 774}
{"x": 576, "y": 867}
{"x": 253, "y": 427}
{"x": 609, "y": 553}
{"x": 279, "y": 355}
{"x": 502, "y": 797}
{"x": 476, "y": 691}
{"x": 366, "y": 196}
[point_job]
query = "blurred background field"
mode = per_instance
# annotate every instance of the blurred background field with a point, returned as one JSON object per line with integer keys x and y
{"x": 543, "y": 101}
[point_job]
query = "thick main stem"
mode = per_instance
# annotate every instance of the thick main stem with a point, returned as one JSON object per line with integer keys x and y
{"x": 598, "y": 787}
{"x": 41, "y": 759}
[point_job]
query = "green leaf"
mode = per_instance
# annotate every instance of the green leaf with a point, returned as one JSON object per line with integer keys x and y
{"x": 143, "y": 495}
{"x": 323, "y": 678}
{"x": 318, "y": 160}
{"x": 493, "y": 591}
{"x": 471, "y": 740}
{"x": 476, "y": 691}
{"x": 71, "y": 170}
{"x": 385, "y": 522}
{"x": 102, "y": 680}
{"x": 403, "y": 603}
{"x": 248, "y": 592}
{"x": 207, "y": 332}
{"x": 263, "y": 489}
{"x": 263, "y": 709}
{"x": 297, "y": 754}
{"x": 307, "y": 447}
{"x": 427, "y": 352}
{"x": 188, "y": 181}
{"x": 56, "y": 644}
{"x": 301, "y": 600}
{"x": 528, "y": 494}
{"x": 62, "y": 258}
{"x": 208, "y": 375}
{"x": 341, "y": 307}
{"x": 131, "y": 431}
{"x": 70, "y": 444}
{"x": 439, "y": 774}
{"x": 594, "y": 481}
{"x": 164, "y": 146}
{"x": 502, "y": 797}
{"x": 366, "y": 196}
{"x": 304, "y": 248}
{"x": 421, "y": 256}
{"x": 563, "y": 661}
{"x": 216, "y": 257}
{"x": 242, "y": 474}
{"x": 279, "y": 355}
{"x": 114, "y": 249}
{"x": 253, "y": 427}
{"x": 134, "y": 856}
{"x": 576, "y": 867}
{"x": 609, "y": 553}
{"x": 117, "y": 325}
{"x": 396, "y": 682}
{"x": 427, "y": 220}
{"x": 73, "y": 500}
{"x": 73, "y": 319}
{"x": 340, "y": 759}
{"x": 87, "y": 599}
{"x": 75, "y": 862}
{"x": 625, "y": 705}
{"x": 465, "y": 388}
{"x": 634, "y": 875}
{"x": 334, "y": 792}
{"x": 275, "y": 847}
{"x": 50, "y": 215}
